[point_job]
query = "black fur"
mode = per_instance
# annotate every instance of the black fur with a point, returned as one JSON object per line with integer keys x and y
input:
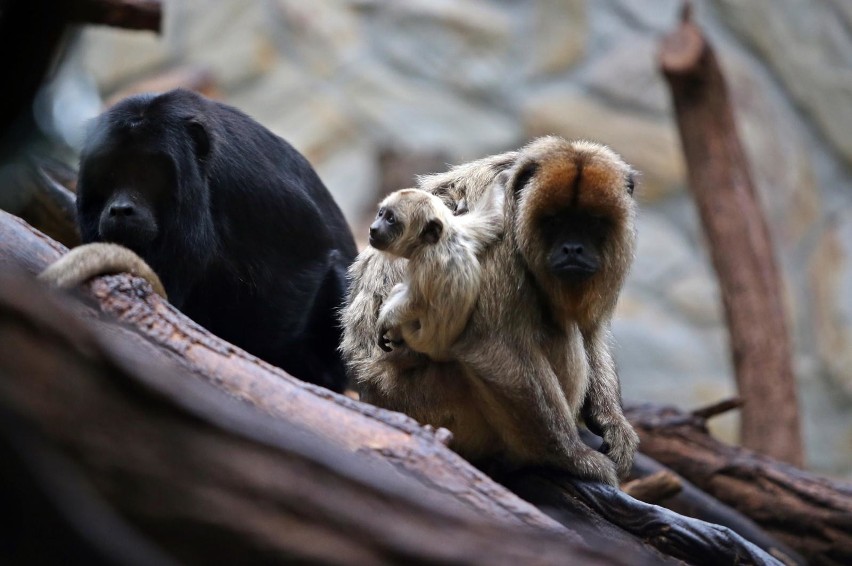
{"x": 247, "y": 240}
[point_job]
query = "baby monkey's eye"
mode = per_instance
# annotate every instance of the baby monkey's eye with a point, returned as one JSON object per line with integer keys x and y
{"x": 389, "y": 218}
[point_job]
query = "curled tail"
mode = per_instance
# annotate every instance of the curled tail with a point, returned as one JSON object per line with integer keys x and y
{"x": 90, "y": 260}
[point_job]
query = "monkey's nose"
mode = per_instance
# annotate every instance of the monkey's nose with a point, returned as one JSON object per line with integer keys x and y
{"x": 572, "y": 249}
{"x": 121, "y": 210}
{"x": 373, "y": 231}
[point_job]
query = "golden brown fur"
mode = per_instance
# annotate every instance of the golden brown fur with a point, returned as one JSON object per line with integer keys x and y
{"x": 90, "y": 260}
{"x": 533, "y": 353}
{"x": 431, "y": 306}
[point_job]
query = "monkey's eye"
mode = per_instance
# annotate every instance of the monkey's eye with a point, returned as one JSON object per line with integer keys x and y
{"x": 631, "y": 182}
{"x": 389, "y": 218}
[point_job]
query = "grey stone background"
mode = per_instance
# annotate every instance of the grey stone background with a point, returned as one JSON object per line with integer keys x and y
{"x": 344, "y": 80}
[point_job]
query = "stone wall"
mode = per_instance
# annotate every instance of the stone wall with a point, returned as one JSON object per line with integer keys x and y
{"x": 344, "y": 80}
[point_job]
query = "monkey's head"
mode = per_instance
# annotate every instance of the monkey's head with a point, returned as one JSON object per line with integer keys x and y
{"x": 408, "y": 220}
{"x": 143, "y": 176}
{"x": 574, "y": 222}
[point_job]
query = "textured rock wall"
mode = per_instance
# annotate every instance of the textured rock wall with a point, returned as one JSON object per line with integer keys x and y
{"x": 345, "y": 80}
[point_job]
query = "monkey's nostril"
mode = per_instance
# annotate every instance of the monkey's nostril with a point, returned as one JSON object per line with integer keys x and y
{"x": 372, "y": 231}
{"x": 121, "y": 210}
{"x": 569, "y": 249}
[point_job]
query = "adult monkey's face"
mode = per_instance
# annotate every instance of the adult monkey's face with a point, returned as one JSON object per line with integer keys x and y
{"x": 127, "y": 191}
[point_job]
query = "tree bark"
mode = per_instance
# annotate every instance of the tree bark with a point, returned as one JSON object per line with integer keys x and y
{"x": 810, "y": 513}
{"x": 654, "y": 488}
{"x": 141, "y": 333}
{"x": 740, "y": 244}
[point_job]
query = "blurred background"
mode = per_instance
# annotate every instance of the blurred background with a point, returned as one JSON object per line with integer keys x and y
{"x": 375, "y": 91}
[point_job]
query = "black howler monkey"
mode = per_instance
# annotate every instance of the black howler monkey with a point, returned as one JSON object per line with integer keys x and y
{"x": 247, "y": 240}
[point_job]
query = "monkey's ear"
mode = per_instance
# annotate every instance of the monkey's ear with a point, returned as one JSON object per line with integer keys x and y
{"x": 524, "y": 175}
{"x": 432, "y": 231}
{"x": 200, "y": 138}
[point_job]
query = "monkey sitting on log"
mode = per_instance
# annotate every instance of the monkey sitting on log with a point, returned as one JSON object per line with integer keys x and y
{"x": 534, "y": 357}
{"x": 431, "y": 307}
{"x": 247, "y": 240}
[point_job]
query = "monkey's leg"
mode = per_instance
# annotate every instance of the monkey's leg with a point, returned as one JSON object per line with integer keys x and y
{"x": 602, "y": 408}
{"x": 521, "y": 397}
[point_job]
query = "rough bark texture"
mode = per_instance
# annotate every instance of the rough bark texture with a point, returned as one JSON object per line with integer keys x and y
{"x": 810, "y": 513}
{"x": 740, "y": 244}
{"x": 229, "y": 488}
{"x": 203, "y": 480}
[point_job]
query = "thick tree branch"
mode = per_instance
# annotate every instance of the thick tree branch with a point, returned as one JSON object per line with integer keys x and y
{"x": 740, "y": 244}
{"x": 392, "y": 445}
{"x": 811, "y": 514}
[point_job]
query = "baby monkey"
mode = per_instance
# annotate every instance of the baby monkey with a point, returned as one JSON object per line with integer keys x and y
{"x": 431, "y": 306}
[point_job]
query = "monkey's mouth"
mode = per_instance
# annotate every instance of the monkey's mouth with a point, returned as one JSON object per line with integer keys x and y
{"x": 573, "y": 270}
{"x": 378, "y": 242}
{"x": 137, "y": 238}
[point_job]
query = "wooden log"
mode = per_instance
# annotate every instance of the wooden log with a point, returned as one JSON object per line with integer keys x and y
{"x": 654, "y": 488}
{"x": 389, "y": 441}
{"x": 31, "y": 192}
{"x": 810, "y": 513}
{"x": 740, "y": 244}
{"x": 204, "y": 479}
{"x": 693, "y": 502}
{"x": 192, "y": 77}
{"x": 128, "y": 14}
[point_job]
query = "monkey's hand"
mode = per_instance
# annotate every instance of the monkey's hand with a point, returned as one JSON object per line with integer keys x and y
{"x": 384, "y": 341}
{"x": 620, "y": 443}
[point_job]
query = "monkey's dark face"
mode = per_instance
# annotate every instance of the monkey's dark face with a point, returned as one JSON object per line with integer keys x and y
{"x": 142, "y": 178}
{"x": 574, "y": 241}
{"x": 125, "y": 195}
{"x": 574, "y": 210}
{"x": 386, "y": 229}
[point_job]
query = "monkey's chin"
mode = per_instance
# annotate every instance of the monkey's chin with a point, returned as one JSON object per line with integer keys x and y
{"x": 139, "y": 242}
{"x": 573, "y": 273}
{"x": 378, "y": 243}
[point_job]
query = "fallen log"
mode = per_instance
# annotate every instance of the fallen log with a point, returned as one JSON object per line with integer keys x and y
{"x": 739, "y": 242}
{"x": 203, "y": 479}
{"x": 150, "y": 329}
{"x": 811, "y": 514}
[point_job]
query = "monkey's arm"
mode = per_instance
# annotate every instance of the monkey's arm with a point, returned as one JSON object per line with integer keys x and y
{"x": 484, "y": 225}
{"x": 396, "y": 313}
{"x": 602, "y": 410}
{"x": 521, "y": 395}
{"x": 90, "y": 260}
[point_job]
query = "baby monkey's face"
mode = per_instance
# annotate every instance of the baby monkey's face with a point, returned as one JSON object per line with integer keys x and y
{"x": 400, "y": 225}
{"x": 387, "y": 228}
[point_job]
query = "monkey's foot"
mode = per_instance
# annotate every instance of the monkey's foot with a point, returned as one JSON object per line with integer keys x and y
{"x": 591, "y": 465}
